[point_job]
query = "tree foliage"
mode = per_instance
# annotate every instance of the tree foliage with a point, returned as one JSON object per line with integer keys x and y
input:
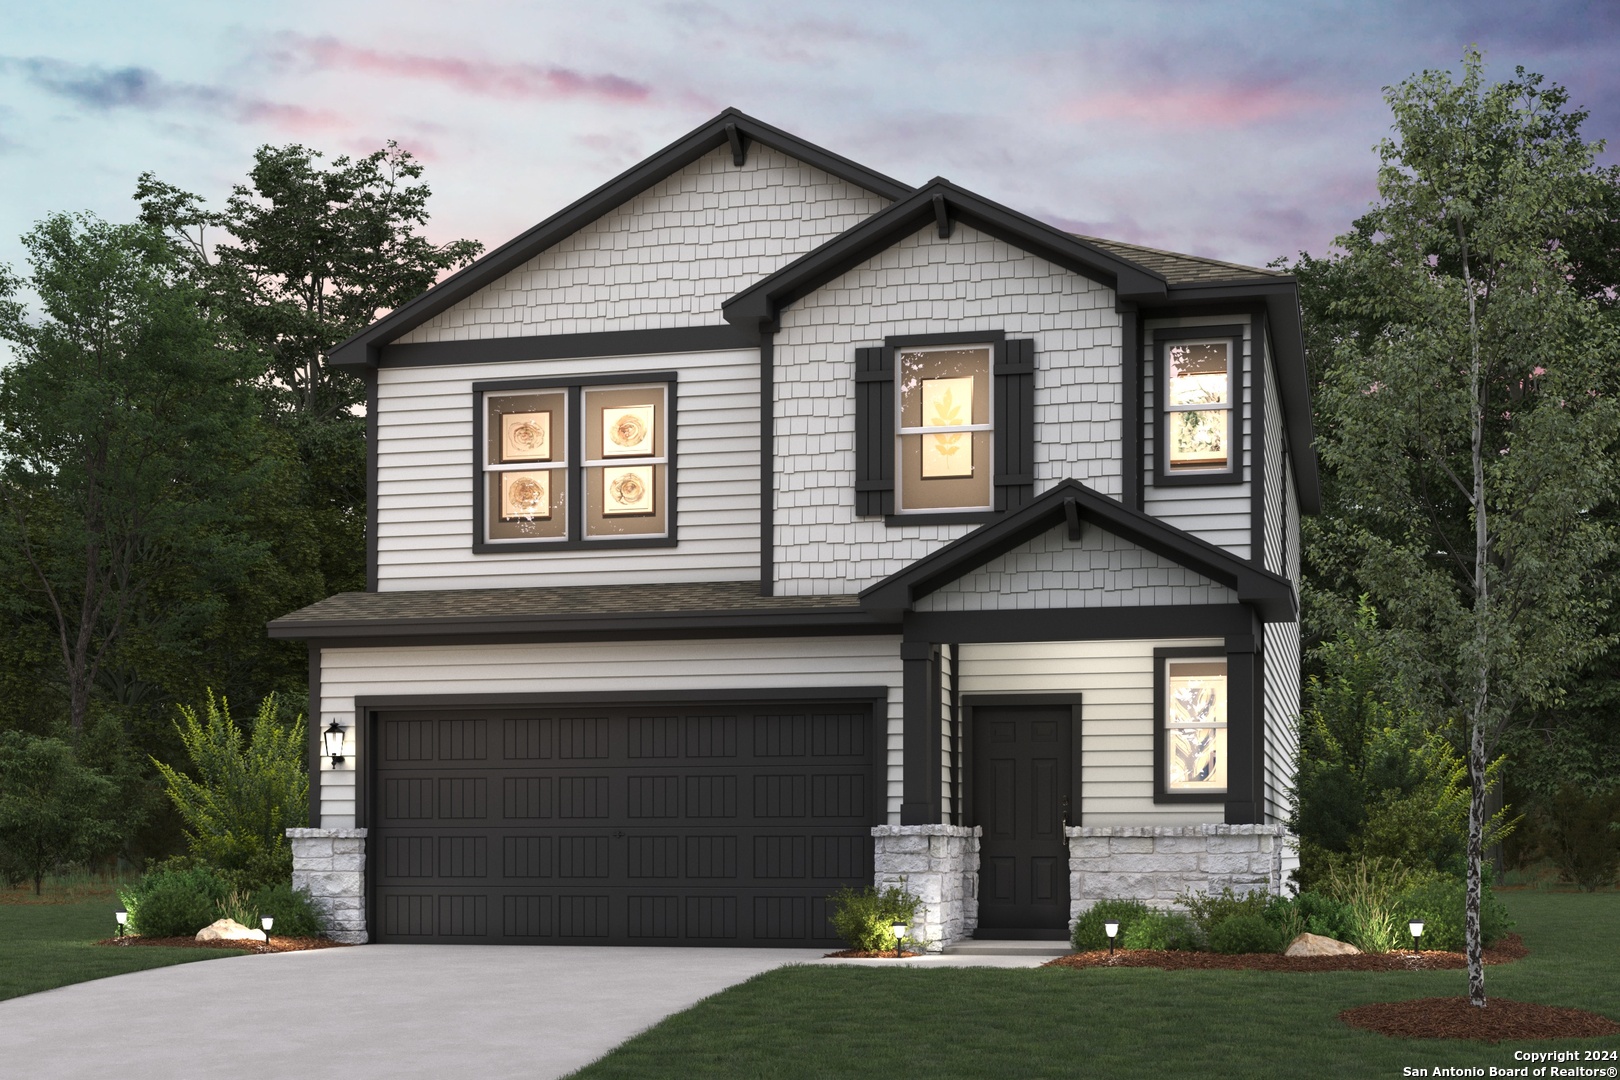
{"x": 242, "y": 791}
{"x": 1467, "y": 409}
{"x": 54, "y": 811}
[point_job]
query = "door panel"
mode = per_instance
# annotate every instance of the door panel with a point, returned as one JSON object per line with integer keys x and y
{"x": 1022, "y": 768}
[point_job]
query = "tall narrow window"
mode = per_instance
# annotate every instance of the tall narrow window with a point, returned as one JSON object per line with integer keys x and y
{"x": 526, "y": 466}
{"x": 944, "y": 428}
{"x": 1195, "y": 725}
{"x": 626, "y": 479}
{"x": 1198, "y": 406}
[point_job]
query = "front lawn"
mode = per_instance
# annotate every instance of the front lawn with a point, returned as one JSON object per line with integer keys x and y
{"x": 1119, "y": 1022}
{"x": 46, "y": 945}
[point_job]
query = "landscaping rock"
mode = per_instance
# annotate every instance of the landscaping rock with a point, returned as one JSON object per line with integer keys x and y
{"x": 1317, "y": 945}
{"x": 228, "y": 930}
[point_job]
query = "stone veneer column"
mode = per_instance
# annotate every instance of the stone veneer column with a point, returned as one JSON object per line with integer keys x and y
{"x": 939, "y": 863}
{"x": 1156, "y": 864}
{"x": 330, "y": 864}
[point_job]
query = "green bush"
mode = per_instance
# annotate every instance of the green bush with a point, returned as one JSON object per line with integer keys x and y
{"x": 1088, "y": 928}
{"x": 174, "y": 901}
{"x": 1323, "y": 915}
{"x": 292, "y": 909}
{"x": 1209, "y": 910}
{"x": 1583, "y": 831}
{"x": 1161, "y": 930}
{"x": 1440, "y": 903}
{"x": 1368, "y": 889}
{"x": 1245, "y": 933}
{"x": 863, "y": 917}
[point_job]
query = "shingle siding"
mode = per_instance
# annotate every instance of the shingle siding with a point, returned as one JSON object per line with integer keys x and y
{"x": 924, "y": 285}
{"x": 667, "y": 257}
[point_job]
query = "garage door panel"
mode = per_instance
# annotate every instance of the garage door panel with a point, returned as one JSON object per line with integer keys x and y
{"x": 675, "y": 825}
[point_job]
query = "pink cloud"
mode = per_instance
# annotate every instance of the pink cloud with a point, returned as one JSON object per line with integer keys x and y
{"x": 1188, "y": 106}
{"x": 513, "y": 81}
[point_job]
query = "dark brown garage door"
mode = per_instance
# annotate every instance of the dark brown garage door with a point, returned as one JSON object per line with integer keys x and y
{"x": 711, "y": 825}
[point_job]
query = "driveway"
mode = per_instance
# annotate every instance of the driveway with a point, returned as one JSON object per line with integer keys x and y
{"x": 395, "y": 1011}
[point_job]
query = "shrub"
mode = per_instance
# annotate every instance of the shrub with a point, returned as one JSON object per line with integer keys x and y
{"x": 862, "y": 917}
{"x": 1322, "y": 915}
{"x": 53, "y": 810}
{"x": 1584, "y": 834}
{"x": 1088, "y": 928}
{"x": 1245, "y": 933}
{"x": 1210, "y": 910}
{"x": 1440, "y": 903}
{"x": 1368, "y": 889}
{"x": 1161, "y": 930}
{"x": 174, "y": 900}
{"x": 292, "y": 909}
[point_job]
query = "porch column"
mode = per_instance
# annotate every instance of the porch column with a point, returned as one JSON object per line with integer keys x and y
{"x": 920, "y": 800}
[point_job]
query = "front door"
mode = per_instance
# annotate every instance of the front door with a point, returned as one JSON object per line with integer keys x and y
{"x": 1022, "y": 761}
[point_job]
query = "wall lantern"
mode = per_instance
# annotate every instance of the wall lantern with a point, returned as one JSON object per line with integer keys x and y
{"x": 1111, "y": 928}
{"x": 900, "y": 930}
{"x": 1416, "y": 928}
{"x": 123, "y": 917}
{"x": 333, "y": 737}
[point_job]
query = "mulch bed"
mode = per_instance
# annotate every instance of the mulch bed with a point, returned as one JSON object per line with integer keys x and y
{"x": 1506, "y": 950}
{"x": 1455, "y": 1018}
{"x": 274, "y": 945}
{"x": 868, "y": 954}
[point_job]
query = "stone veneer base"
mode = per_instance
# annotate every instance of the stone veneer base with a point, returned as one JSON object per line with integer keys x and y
{"x": 939, "y": 863}
{"x": 1156, "y": 864}
{"x": 330, "y": 864}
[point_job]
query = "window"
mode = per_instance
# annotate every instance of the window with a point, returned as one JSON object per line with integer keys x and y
{"x": 1193, "y": 714}
{"x": 1201, "y": 428}
{"x": 566, "y": 464}
{"x": 944, "y": 428}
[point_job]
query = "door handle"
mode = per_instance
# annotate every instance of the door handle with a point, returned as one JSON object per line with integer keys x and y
{"x": 1065, "y": 815}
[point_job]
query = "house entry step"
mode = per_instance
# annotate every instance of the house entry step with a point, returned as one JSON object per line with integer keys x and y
{"x": 1006, "y": 947}
{"x": 1021, "y": 933}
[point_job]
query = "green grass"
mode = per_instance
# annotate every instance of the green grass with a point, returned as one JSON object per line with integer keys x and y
{"x": 1118, "y": 1022}
{"x": 46, "y": 945}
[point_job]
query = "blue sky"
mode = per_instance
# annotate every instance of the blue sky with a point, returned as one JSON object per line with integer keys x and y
{"x": 1242, "y": 131}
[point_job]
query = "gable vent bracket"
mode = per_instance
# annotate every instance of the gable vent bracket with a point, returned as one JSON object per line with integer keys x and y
{"x": 739, "y": 145}
{"x": 941, "y": 218}
{"x": 1071, "y": 514}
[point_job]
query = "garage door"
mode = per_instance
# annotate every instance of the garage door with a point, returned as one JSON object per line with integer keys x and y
{"x": 719, "y": 825}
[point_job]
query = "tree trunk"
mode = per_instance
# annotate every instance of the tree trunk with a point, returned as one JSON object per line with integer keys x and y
{"x": 1480, "y": 709}
{"x": 1476, "y": 851}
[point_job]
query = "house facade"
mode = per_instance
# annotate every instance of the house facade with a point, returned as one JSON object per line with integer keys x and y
{"x": 760, "y": 525}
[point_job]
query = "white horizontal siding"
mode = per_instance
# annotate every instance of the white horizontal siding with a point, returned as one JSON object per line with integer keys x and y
{"x": 765, "y": 664}
{"x": 425, "y": 430}
{"x": 1115, "y": 681}
{"x": 1283, "y": 674}
{"x": 1220, "y": 513}
{"x": 1276, "y": 484}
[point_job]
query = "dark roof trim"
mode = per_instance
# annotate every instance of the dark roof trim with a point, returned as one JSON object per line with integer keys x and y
{"x": 677, "y": 339}
{"x": 939, "y": 200}
{"x": 333, "y": 632}
{"x": 361, "y": 349}
{"x": 1270, "y": 594}
{"x": 1283, "y": 319}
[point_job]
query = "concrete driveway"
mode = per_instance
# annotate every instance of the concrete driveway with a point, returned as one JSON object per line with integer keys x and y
{"x": 395, "y": 1011}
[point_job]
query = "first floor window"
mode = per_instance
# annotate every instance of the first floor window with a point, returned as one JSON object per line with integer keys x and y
{"x": 944, "y": 428}
{"x": 1195, "y": 725}
{"x": 583, "y": 462}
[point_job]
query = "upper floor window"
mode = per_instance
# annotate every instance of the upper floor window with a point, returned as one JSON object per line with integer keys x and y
{"x": 574, "y": 463}
{"x": 1200, "y": 409}
{"x": 945, "y": 428}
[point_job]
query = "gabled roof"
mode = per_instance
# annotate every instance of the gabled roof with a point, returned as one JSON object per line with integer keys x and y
{"x": 731, "y": 126}
{"x": 940, "y": 202}
{"x": 1180, "y": 269}
{"x": 1270, "y": 594}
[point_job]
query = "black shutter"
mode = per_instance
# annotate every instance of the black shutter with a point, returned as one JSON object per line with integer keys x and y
{"x": 1015, "y": 426}
{"x": 874, "y": 432}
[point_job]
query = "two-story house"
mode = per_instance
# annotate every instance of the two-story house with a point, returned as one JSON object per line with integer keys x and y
{"x": 760, "y": 525}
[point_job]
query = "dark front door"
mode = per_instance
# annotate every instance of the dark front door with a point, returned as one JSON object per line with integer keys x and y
{"x": 1022, "y": 761}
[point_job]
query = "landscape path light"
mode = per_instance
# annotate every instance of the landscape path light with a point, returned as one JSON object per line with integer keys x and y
{"x": 899, "y": 930}
{"x": 267, "y": 922}
{"x": 123, "y": 917}
{"x": 333, "y": 738}
{"x": 1416, "y": 928}
{"x": 1110, "y": 928}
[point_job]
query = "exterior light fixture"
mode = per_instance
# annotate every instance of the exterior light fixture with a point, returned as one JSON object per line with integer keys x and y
{"x": 899, "y": 930}
{"x": 333, "y": 738}
{"x": 267, "y": 922}
{"x": 123, "y": 917}
{"x": 1111, "y": 928}
{"x": 1416, "y": 928}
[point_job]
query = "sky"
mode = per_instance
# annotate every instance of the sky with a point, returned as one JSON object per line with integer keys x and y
{"x": 1238, "y": 130}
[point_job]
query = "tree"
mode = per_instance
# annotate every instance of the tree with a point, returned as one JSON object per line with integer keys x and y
{"x": 1469, "y": 419}
{"x": 53, "y": 810}
{"x": 132, "y": 460}
{"x": 245, "y": 791}
{"x": 310, "y": 256}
